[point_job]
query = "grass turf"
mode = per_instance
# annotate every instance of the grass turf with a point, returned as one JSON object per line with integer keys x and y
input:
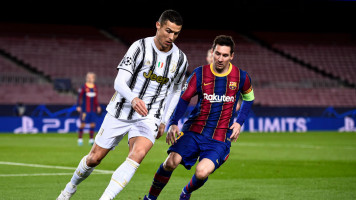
{"x": 313, "y": 165}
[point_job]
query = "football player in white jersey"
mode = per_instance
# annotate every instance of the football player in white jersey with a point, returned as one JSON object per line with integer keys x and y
{"x": 148, "y": 86}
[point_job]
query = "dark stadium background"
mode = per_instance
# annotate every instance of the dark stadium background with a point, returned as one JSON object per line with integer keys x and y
{"x": 247, "y": 18}
{"x": 242, "y": 15}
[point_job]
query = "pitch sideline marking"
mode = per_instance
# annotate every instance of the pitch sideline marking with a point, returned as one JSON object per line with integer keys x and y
{"x": 41, "y": 174}
{"x": 98, "y": 171}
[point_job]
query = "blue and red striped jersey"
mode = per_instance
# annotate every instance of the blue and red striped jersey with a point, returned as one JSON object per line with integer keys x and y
{"x": 88, "y": 98}
{"x": 218, "y": 95}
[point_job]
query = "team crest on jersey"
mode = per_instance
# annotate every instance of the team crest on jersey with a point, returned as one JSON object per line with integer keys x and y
{"x": 174, "y": 68}
{"x": 233, "y": 85}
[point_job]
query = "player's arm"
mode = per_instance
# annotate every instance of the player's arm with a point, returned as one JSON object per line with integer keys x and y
{"x": 173, "y": 96}
{"x": 172, "y": 100}
{"x": 247, "y": 101}
{"x": 126, "y": 69}
{"x": 189, "y": 90}
{"x": 79, "y": 99}
{"x": 121, "y": 86}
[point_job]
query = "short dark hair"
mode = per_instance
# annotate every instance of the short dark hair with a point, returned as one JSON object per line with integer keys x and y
{"x": 224, "y": 40}
{"x": 171, "y": 15}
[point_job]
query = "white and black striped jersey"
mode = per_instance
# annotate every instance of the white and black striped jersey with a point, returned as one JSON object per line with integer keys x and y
{"x": 153, "y": 74}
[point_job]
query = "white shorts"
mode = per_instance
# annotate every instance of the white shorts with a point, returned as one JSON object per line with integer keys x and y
{"x": 112, "y": 130}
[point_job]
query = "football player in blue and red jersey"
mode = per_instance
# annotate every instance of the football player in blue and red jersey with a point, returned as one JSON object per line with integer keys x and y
{"x": 88, "y": 107}
{"x": 210, "y": 128}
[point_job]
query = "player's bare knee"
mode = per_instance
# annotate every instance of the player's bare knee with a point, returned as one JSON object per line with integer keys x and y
{"x": 93, "y": 160}
{"x": 172, "y": 161}
{"x": 201, "y": 173}
{"x": 170, "y": 165}
{"x": 137, "y": 155}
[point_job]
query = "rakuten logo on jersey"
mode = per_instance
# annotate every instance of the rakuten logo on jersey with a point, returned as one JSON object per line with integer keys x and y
{"x": 91, "y": 94}
{"x": 214, "y": 98}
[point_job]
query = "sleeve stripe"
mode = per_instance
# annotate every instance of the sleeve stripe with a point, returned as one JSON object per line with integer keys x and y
{"x": 247, "y": 91}
{"x": 125, "y": 70}
{"x": 183, "y": 73}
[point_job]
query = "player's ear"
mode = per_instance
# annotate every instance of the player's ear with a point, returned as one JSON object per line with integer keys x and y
{"x": 232, "y": 55}
{"x": 158, "y": 25}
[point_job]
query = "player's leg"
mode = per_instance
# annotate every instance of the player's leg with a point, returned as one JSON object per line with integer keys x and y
{"x": 91, "y": 133}
{"x": 110, "y": 134}
{"x": 212, "y": 156}
{"x": 184, "y": 152}
{"x": 82, "y": 118}
{"x": 204, "y": 168}
{"x": 163, "y": 175}
{"x": 84, "y": 169}
{"x": 138, "y": 149}
{"x": 80, "y": 133}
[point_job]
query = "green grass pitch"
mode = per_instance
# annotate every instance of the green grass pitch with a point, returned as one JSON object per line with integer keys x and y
{"x": 313, "y": 165}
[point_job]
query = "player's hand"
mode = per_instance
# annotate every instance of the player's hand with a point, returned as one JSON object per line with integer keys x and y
{"x": 79, "y": 109}
{"x": 161, "y": 129}
{"x": 98, "y": 109}
{"x": 139, "y": 106}
{"x": 173, "y": 131}
{"x": 235, "y": 131}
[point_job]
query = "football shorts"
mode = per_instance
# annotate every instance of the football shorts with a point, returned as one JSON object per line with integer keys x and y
{"x": 112, "y": 130}
{"x": 192, "y": 146}
{"x": 88, "y": 117}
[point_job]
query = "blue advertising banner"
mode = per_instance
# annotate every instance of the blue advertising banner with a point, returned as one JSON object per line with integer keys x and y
{"x": 28, "y": 124}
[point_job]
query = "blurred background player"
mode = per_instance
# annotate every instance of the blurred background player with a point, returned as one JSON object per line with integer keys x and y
{"x": 210, "y": 128}
{"x": 88, "y": 107}
{"x": 209, "y": 56}
{"x": 19, "y": 109}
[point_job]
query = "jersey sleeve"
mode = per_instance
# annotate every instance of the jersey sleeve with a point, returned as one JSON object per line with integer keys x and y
{"x": 190, "y": 87}
{"x": 188, "y": 91}
{"x": 248, "y": 97}
{"x": 182, "y": 69}
{"x": 247, "y": 90}
{"x": 132, "y": 57}
{"x": 80, "y": 95}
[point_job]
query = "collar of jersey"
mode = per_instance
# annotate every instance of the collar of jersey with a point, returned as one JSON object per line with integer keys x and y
{"x": 221, "y": 75}
{"x": 162, "y": 52}
{"x": 92, "y": 86}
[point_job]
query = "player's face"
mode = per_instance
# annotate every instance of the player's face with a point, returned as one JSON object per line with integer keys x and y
{"x": 166, "y": 34}
{"x": 90, "y": 78}
{"x": 222, "y": 58}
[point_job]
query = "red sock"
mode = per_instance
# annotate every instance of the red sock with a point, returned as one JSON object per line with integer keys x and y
{"x": 80, "y": 133}
{"x": 160, "y": 180}
{"x": 91, "y": 133}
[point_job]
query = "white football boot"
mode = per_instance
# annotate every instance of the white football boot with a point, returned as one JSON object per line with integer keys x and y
{"x": 65, "y": 195}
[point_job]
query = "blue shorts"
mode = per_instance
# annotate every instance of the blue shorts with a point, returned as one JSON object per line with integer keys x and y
{"x": 192, "y": 146}
{"x": 88, "y": 117}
